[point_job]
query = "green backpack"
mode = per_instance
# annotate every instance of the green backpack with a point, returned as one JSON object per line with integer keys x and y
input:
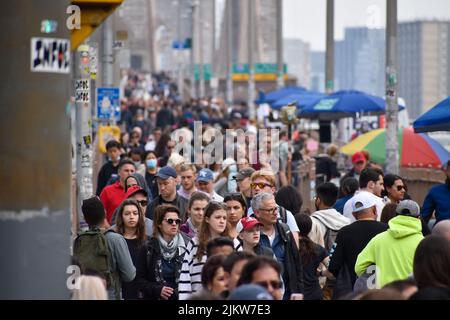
{"x": 92, "y": 253}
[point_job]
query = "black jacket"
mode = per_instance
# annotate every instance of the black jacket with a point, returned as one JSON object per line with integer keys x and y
{"x": 292, "y": 266}
{"x": 149, "y": 275}
{"x": 180, "y": 202}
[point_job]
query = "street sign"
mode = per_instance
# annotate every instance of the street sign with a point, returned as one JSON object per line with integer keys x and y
{"x": 206, "y": 72}
{"x": 50, "y": 55}
{"x": 108, "y": 105}
{"x": 82, "y": 90}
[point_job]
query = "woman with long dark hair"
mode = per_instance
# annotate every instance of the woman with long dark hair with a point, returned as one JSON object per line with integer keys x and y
{"x": 313, "y": 257}
{"x": 130, "y": 224}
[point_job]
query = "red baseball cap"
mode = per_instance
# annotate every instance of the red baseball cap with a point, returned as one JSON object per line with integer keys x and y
{"x": 358, "y": 157}
{"x": 247, "y": 223}
{"x": 133, "y": 190}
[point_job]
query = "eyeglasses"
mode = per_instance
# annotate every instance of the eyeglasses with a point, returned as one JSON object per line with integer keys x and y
{"x": 143, "y": 203}
{"x": 260, "y": 185}
{"x": 273, "y": 283}
{"x": 399, "y": 188}
{"x": 171, "y": 221}
{"x": 272, "y": 210}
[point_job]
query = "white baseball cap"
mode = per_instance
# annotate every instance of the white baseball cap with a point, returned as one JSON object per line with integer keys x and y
{"x": 362, "y": 200}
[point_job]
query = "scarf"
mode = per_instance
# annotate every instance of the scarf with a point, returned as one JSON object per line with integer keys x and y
{"x": 191, "y": 226}
{"x": 168, "y": 250}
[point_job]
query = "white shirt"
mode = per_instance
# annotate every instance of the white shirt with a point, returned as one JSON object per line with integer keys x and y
{"x": 216, "y": 197}
{"x": 348, "y": 206}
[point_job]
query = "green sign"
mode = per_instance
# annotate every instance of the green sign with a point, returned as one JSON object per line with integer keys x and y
{"x": 206, "y": 72}
{"x": 260, "y": 68}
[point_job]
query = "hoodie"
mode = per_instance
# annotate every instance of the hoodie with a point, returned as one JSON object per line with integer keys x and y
{"x": 392, "y": 251}
{"x": 323, "y": 220}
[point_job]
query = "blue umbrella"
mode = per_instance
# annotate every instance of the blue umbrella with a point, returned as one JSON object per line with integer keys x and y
{"x": 273, "y": 96}
{"x": 435, "y": 119}
{"x": 343, "y": 104}
{"x": 301, "y": 99}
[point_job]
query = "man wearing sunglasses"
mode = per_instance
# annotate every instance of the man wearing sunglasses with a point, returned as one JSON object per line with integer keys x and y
{"x": 277, "y": 236}
{"x": 264, "y": 181}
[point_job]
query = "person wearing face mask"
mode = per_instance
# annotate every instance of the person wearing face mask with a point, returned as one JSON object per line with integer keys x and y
{"x": 136, "y": 155}
{"x": 151, "y": 166}
{"x": 437, "y": 200}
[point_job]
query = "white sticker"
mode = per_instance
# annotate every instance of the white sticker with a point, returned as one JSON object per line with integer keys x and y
{"x": 50, "y": 55}
{"x": 82, "y": 90}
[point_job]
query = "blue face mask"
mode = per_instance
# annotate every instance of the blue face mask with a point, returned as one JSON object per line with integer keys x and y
{"x": 151, "y": 164}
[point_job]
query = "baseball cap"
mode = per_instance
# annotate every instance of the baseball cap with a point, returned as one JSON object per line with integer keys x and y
{"x": 358, "y": 157}
{"x": 247, "y": 223}
{"x": 135, "y": 189}
{"x": 205, "y": 175}
{"x": 408, "y": 208}
{"x": 250, "y": 292}
{"x": 244, "y": 173}
{"x": 362, "y": 200}
{"x": 166, "y": 172}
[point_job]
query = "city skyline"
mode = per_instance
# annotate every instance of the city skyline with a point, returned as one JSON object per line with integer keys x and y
{"x": 305, "y": 20}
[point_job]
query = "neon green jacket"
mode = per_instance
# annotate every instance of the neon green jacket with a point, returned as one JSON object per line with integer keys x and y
{"x": 392, "y": 251}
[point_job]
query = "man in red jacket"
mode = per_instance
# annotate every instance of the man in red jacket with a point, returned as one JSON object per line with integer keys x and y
{"x": 113, "y": 195}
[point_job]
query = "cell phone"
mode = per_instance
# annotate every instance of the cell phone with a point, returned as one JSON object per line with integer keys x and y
{"x": 297, "y": 296}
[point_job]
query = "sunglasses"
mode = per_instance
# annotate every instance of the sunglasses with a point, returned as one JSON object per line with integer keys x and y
{"x": 143, "y": 203}
{"x": 399, "y": 188}
{"x": 260, "y": 185}
{"x": 171, "y": 221}
{"x": 274, "y": 284}
{"x": 232, "y": 196}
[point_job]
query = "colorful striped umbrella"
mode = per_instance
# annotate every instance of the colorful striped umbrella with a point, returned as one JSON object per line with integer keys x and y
{"x": 414, "y": 149}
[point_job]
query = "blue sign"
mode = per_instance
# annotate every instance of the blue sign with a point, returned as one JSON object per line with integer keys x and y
{"x": 108, "y": 104}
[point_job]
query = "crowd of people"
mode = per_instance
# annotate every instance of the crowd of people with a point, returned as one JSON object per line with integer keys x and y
{"x": 172, "y": 228}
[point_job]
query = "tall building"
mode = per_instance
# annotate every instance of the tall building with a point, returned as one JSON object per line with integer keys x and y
{"x": 423, "y": 64}
{"x": 360, "y": 60}
{"x": 317, "y": 75}
{"x": 296, "y": 54}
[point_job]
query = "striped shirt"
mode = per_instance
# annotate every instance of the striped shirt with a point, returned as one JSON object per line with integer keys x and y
{"x": 191, "y": 271}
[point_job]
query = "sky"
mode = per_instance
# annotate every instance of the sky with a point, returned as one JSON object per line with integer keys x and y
{"x": 305, "y": 19}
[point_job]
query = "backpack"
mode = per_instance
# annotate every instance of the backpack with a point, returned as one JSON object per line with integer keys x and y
{"x": 329, "y": 239}
{"x": 91, "y": 251}
{"x": 283, "y": 215}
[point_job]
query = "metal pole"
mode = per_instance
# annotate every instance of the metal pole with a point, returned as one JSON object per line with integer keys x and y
{"x": 151, "y": 37}
{"x": 251, "y": 71}
{"x": 329, "y": 63}
{"x": 200, "y": 47}
{"x": 280, "y": 79}
{"x": 179, "y": 66}
{"x": 107, "y": 59}
{"x": 193, "y": 47}
{"x": 391, "y": 88}
{"x": 213, "y": 49}
{"x": 84, "y": 143}
{"x": 229, "y": 33}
